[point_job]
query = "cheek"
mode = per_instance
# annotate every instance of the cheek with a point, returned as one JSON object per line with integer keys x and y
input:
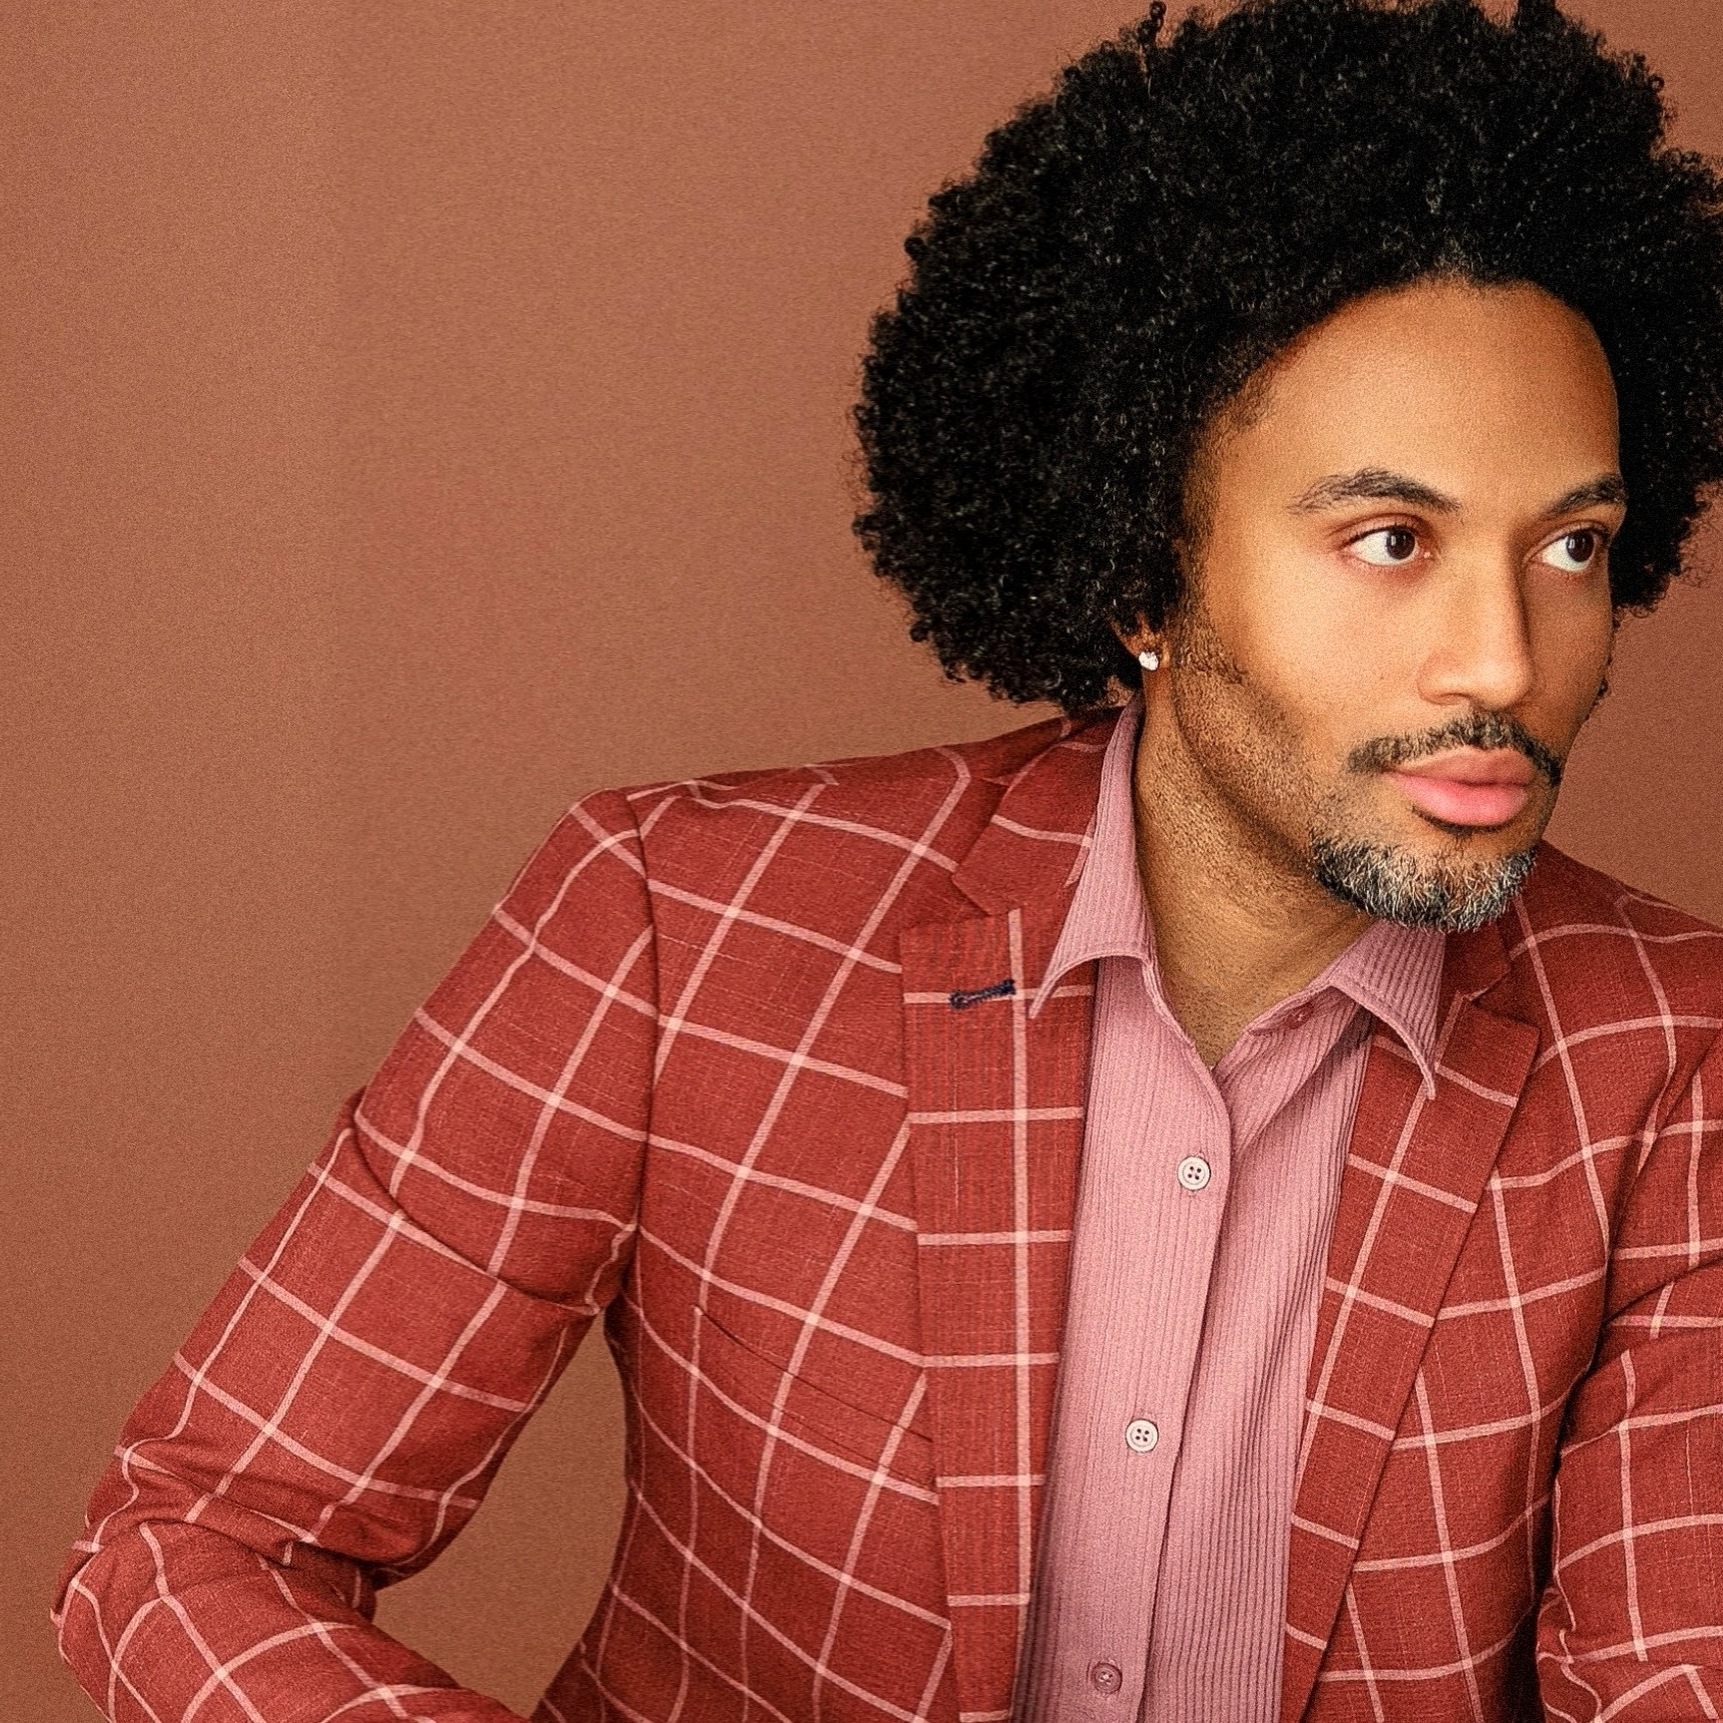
{"x": 1324, "y": 649}
{"x": 1571, "y": 640}
{"x": 1253, "y": 705}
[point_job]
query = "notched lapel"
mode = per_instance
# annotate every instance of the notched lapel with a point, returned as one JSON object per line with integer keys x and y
{"x": 996, "y": 1125}
{"x": 1415, "y": 1174}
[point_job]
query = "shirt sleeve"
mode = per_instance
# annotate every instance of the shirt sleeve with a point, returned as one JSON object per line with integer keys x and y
{"x": 340, "y": 1408}
{"x": 1631, "y": 1623}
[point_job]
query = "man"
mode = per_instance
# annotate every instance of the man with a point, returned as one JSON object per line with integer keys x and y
{"x": 1187, "y": 1211}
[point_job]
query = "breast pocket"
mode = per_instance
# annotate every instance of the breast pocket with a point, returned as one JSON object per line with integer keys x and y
{"x": 765, "y": 1403}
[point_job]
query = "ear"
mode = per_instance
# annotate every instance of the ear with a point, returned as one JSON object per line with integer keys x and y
{"x": 1133, "y": 639}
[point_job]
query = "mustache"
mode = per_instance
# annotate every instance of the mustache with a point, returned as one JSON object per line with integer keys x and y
{"x": 1486, "y": 730}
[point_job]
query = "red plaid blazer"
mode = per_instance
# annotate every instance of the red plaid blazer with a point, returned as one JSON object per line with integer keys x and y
{"x": 743, "y": 1064}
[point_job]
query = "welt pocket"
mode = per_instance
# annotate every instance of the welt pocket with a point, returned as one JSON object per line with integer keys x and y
{"x": 769, "y": 1391}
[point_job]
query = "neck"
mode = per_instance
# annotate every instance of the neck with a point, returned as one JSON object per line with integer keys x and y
{"x": 1239, "y": 923}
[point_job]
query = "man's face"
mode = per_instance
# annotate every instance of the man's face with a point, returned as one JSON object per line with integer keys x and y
{"x": 1400, "y": 615}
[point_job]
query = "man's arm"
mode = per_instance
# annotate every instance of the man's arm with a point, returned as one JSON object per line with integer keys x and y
{"x": 1631, "y": 1625}
{"x": 340, "y": 1408}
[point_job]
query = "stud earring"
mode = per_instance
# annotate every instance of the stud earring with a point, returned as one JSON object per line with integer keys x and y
{"x": 1149, "y": 658}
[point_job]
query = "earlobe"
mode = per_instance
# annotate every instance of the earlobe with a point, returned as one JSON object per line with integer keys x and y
{"x": 1142, "y": 645}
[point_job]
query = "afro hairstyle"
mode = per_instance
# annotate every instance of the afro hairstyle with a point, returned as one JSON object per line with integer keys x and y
{"x": 1130, "y": 248}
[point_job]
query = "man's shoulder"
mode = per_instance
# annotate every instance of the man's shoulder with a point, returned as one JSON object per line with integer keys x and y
{"x": 839, "y": 852}
{"x": 892, "y": 796}
{"x": 1580, "y": 931}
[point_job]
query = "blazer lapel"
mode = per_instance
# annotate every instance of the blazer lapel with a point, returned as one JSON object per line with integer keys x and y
{"x": 1415, "y": 1173}
{"x": 996, "y": 1127}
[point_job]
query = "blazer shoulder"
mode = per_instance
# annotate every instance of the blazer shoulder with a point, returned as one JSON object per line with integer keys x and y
{"x": 847, "y": 850}
{"x": 889, "y": 792}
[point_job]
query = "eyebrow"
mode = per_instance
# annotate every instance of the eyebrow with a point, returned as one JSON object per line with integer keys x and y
{"x": 1378, "y": 484}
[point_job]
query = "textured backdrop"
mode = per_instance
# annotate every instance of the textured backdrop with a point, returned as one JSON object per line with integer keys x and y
{"x": 415, "y": 417}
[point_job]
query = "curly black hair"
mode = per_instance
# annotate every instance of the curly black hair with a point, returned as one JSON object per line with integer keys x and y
{"x": 1132, "y": 247}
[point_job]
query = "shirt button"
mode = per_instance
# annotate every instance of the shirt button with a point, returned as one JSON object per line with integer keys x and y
{"x": 1141, "y": 1437}
{"x": 1297, "y": 1019}
{"x": 1106, "y": 1677}
{"x": 1194, "y": 1173}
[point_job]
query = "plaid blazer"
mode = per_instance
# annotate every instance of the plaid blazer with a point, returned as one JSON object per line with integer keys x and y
{"x": 743, "y": 1064}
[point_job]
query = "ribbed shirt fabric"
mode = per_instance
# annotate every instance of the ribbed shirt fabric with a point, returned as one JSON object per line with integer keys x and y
{"x": 1205, "y": 1206}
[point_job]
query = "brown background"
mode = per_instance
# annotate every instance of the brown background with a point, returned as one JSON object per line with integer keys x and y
{"x": 415, "y": 417}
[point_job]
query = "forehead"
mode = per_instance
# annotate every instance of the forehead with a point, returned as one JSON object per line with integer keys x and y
{"x": 1474, "y": 389}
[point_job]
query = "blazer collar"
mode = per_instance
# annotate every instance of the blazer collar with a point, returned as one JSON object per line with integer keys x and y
{"x": 1418, "y": 1167}
{"x": 1031, "y": 851}
{"x": 1030, "y": 854}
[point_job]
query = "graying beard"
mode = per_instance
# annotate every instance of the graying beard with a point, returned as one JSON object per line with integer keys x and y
{"x": 1386, "y": 883}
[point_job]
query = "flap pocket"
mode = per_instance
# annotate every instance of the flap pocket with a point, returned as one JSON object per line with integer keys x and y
{"x": 769, "y": 1394}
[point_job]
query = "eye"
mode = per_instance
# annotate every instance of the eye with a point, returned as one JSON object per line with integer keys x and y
{"x": 1387, "y": 547}
{"x": 1577, "y": 551}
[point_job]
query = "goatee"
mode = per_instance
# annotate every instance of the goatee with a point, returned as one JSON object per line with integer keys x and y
{"x": 1392, "y": 885}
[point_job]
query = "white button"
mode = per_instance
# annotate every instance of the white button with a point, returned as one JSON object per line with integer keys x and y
{"x": 1194, "y": 1173}
{"x": 1141, "y": 1436}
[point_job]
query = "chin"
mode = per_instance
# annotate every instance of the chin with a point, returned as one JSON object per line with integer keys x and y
{"x": 1450, "y": 890}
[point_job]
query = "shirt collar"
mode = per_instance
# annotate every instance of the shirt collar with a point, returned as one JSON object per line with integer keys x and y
{"x": 1108, "y": 916}
{"x": 1394, "y": 972}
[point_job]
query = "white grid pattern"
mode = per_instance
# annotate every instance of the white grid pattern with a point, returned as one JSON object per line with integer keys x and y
{"x": 702, "y": 1072}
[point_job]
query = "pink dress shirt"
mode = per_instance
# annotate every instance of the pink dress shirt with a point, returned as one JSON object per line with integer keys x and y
{"x": 1204, "y": 1210}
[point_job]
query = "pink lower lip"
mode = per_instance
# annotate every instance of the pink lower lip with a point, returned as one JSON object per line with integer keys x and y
{"x": 1460, "y": 804}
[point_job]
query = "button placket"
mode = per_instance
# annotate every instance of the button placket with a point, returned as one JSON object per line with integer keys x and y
{"x": 1095, "y": 1656}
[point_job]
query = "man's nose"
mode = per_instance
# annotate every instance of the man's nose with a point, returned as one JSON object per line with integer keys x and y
{"x": 1481, "y": 650}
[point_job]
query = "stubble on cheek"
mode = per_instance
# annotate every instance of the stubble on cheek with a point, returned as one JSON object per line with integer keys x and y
{"x": 1241, "y": 746}
{"x": 1198, "y": 650}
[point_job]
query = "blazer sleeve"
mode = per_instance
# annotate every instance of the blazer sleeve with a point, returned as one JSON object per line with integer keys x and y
{"x": 1631, "y": 1622}
{"x": 340, "y": 1408}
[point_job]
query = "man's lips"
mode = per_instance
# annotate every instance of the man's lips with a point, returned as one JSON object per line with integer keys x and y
{"x": 1469, "y": 787}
